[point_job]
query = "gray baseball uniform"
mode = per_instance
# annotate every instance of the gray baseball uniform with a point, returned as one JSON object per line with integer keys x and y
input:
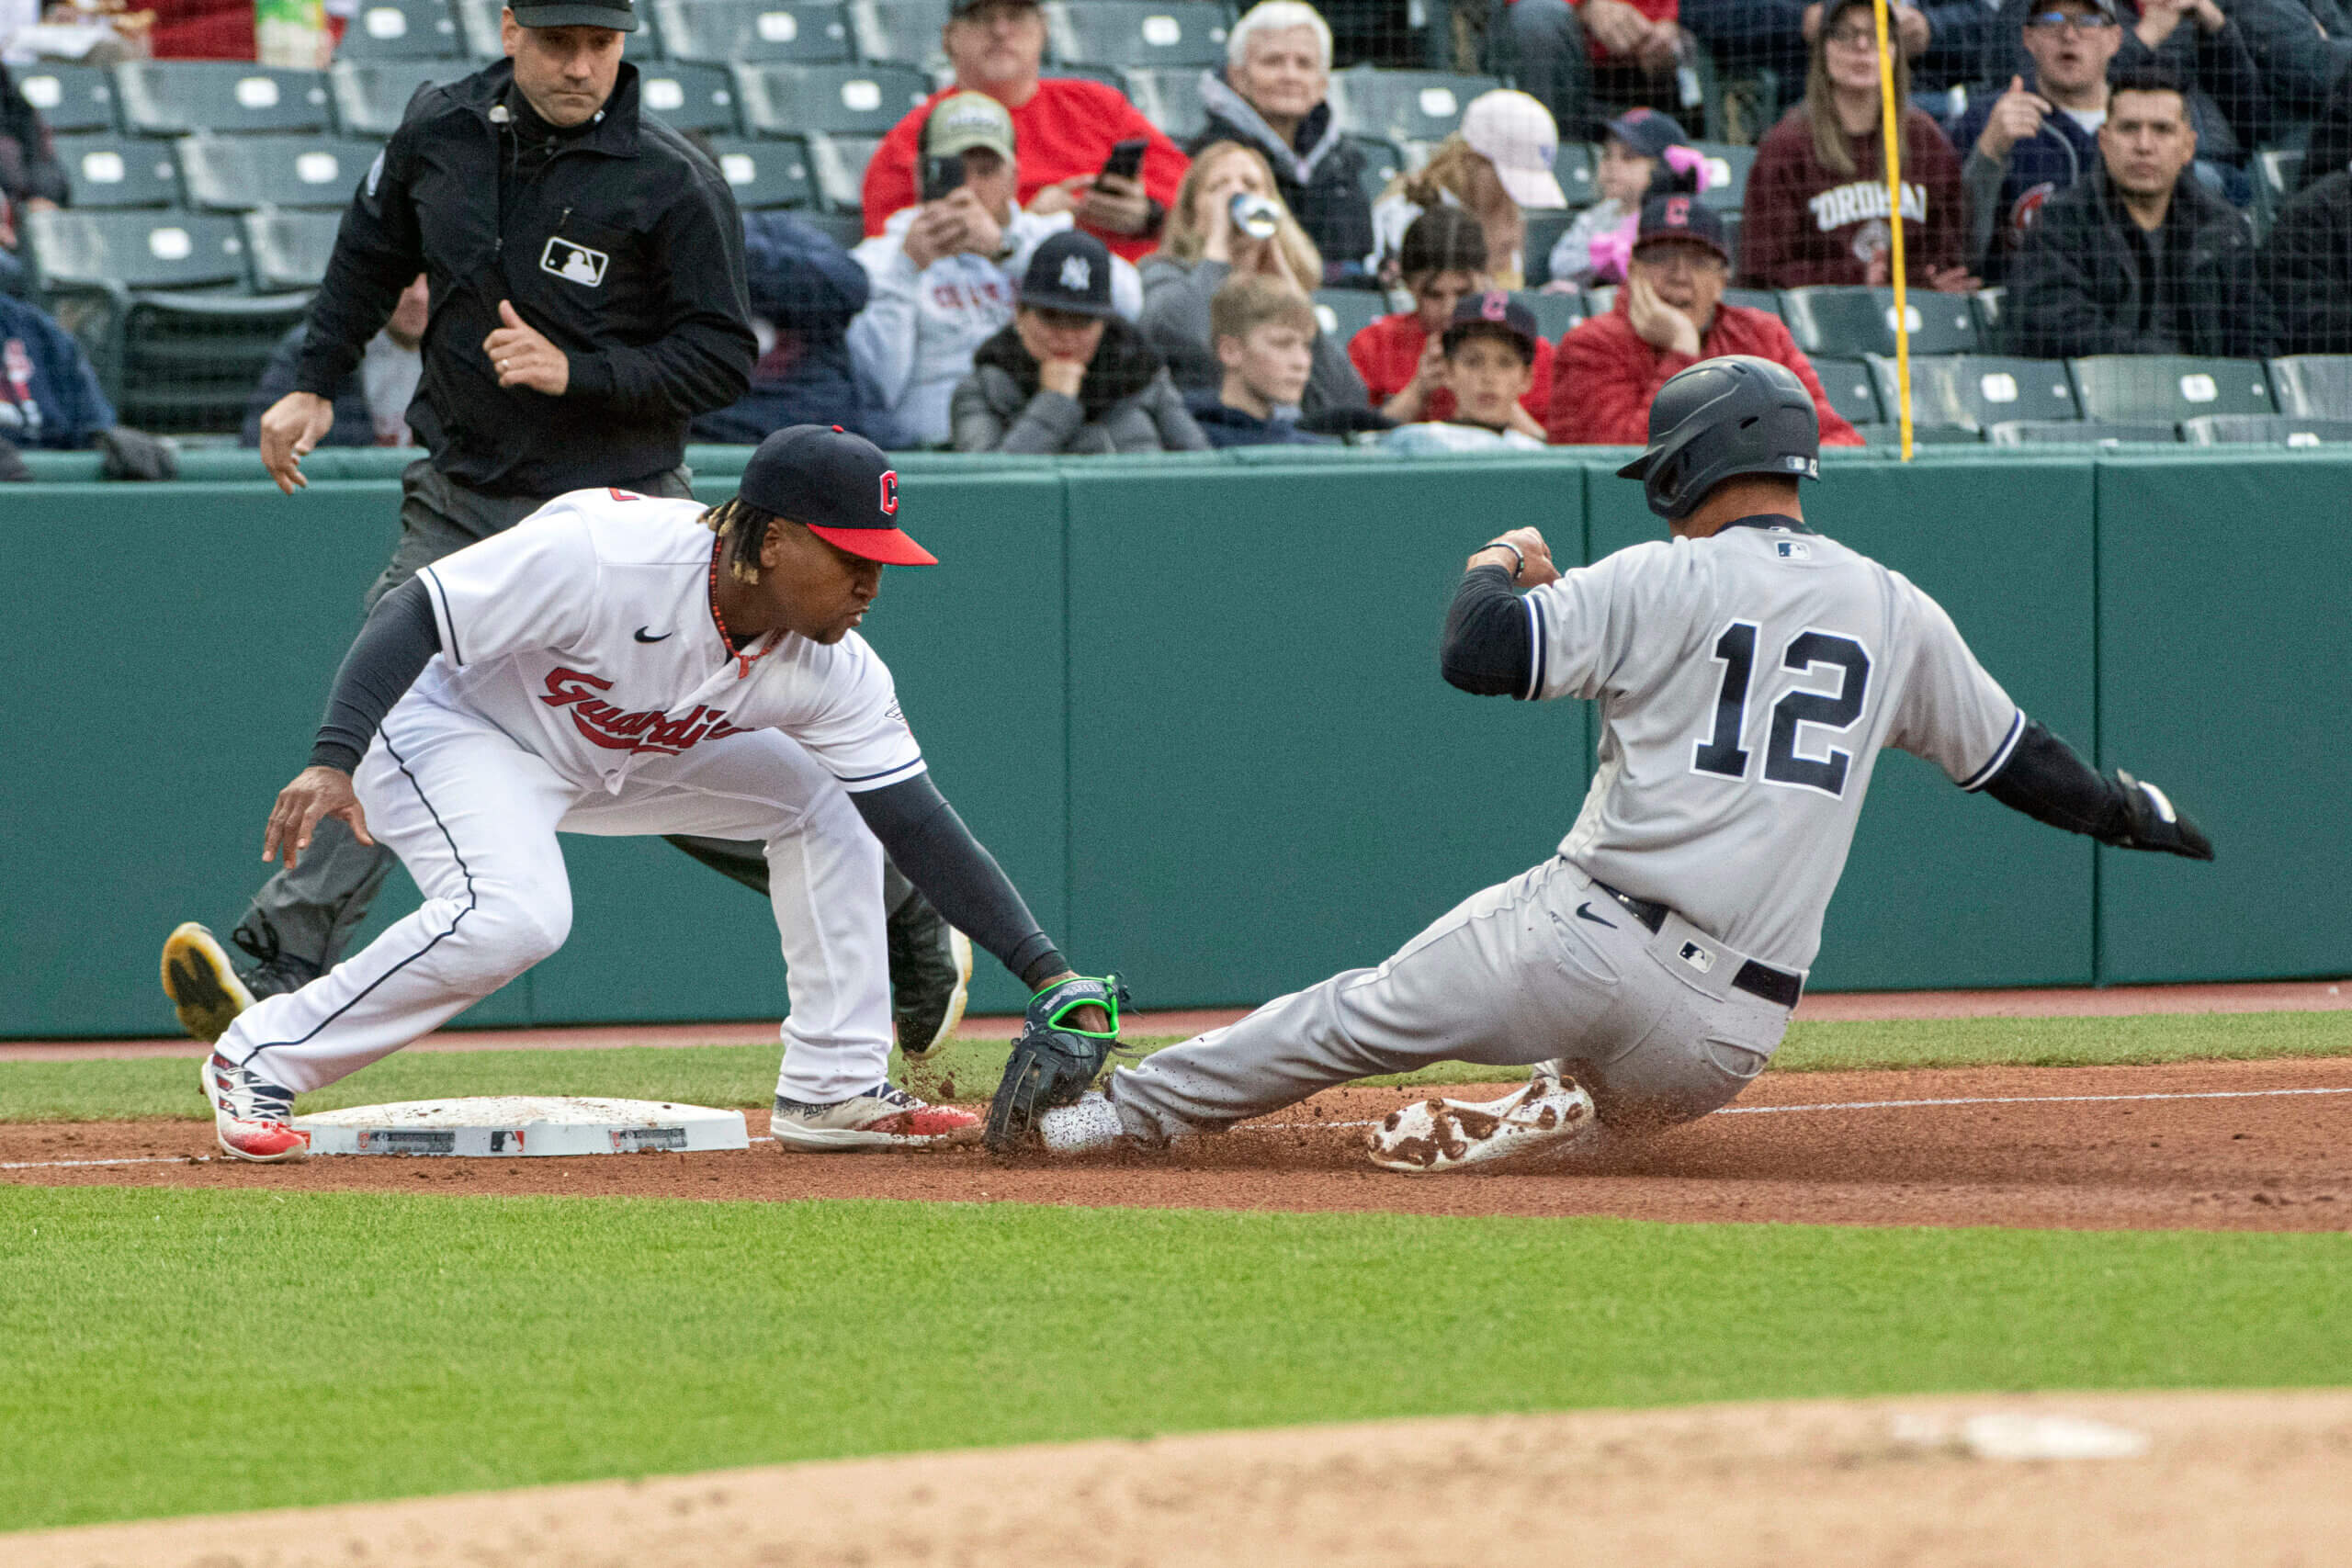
{"x": 1746, "y": 682}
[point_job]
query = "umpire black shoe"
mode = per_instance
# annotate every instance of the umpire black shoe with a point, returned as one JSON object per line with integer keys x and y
{"x": 931, "y": 977}
{"x": 207, "y": 991}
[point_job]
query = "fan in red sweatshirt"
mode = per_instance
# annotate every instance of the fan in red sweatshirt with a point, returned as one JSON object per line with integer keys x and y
{"x": 1807, "y": 223}
{"x": 1605, "y": 375}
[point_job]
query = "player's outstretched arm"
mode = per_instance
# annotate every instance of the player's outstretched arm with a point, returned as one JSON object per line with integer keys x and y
{"x": 2044, "y": 779}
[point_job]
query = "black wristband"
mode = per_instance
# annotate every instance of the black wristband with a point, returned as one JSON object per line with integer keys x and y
{"x": 1515, "y": 555}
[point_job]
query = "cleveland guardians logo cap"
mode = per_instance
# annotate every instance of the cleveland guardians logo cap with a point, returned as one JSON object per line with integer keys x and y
{"x": 839, "y": 486}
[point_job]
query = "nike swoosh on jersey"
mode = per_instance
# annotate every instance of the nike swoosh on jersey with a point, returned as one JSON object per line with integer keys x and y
{"x": 1584, "y": 912}
{"x": 663, "y": 638}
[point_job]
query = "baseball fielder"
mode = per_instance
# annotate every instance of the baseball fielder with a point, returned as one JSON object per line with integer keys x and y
{"x": 1747, "y": 671}
{"x": 620, "y": 664}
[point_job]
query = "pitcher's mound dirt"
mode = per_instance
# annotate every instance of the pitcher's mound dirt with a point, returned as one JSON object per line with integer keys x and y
{"x": 2238, "y": 1479}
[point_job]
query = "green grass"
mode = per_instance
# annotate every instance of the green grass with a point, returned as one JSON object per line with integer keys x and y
{"x": 745, "y": 1074}
{"x": 190, "y": 1351}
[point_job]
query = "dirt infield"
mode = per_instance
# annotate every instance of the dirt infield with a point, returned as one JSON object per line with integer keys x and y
{"x": 2232, "y": 1146}
{"x": 2241, "y": 1479}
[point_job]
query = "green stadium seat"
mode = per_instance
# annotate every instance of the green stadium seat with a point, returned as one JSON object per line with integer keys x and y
{"x": 118, "y": 171}
{"x": 1727, "y": 168}
{"x": 1765, "y": 299}
{"x": 1404, "y": 106}
{"x": 2274, "y": 429}
{"x": 177, "y": 97}
{"x": 1577, "y": 166}
{"x": 783, "y": 99}
{"x": 765, "y": 173}
{"x": 1600, "y": 301}
{"x": 1989, "y": 304}
{"x": 2276, "y": 174}
{"x": 239, "y": 174}
{"x": 692, "y": 99}
{"x": 1169, "y": 98}
{"x": 1344, "y": 313}
{"x": 1555, "y": 313}
{"x": 1122, "y": 34}
{"x": 1843, "y": 321}
{"x": 288, "y": 249}
{"x": 2039, "y": 432}
{"x": 1079, "y": 71}
{"x": 1734, "y": 223}
{"x": 401, "y": 30}
{"x": 1544, "y": 231}
{"x": 477, "y": 29}
{"x": 70, "y": 97}
{"x": 2314, "y": 386}
{"x": 900, "y": 33}
{"x": 719, "y": 32}
{"x": 1852, "y": 391}
{"x": 370, "y": 96}
{"x": 1971, "y": 391}
{"x": 837, "y": 167}
{"x": 70, "y": 249}
{"x": 2128, "y": 387}
{"x": 847, "y": 228}
{"x": 1921, "y": 435}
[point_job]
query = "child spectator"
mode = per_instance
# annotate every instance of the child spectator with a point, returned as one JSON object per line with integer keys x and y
{"x": 1443, "y": 257}
{"x": 1489, "y": 355}
{"x": 1262, "y": 331}
{"x": 1817, "y": 198}
{"x": 1631, "y": 146}
{"x": 1068, "y": 374}
{"x": 1495, "y": 166}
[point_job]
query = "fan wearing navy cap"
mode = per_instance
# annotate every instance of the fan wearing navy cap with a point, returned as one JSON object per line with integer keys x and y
{"x": 620, "y": 664}
{"x": 1490, "y": 348}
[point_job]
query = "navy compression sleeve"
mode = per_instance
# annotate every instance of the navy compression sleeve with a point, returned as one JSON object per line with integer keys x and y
{"x": 1489, "y": 648}
{"x": 384, "y": 659}
{"x": 2044, "y": 779}
{"x": 930, "y": 846}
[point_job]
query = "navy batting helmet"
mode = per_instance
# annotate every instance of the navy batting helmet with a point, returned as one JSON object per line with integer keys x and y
{"x": 1737, "y": 414}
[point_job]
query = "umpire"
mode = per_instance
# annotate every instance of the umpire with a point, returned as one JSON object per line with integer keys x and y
{"x": 586, "y": 269}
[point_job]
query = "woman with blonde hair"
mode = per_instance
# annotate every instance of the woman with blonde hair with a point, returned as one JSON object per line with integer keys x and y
{"x": 1210, "y": 237}
{"x": 1496, "y": 167}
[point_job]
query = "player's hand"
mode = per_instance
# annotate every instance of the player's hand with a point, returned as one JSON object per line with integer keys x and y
{"x": 2016, "y": 118}
{"x": 2154, "y": 823}
{"x": 316, "y": 793}
{"x": 1531, "y": 548}
{"x": 523, "y": 358}
{"x": 1113, "y": 205}
{"x": 291, "y": 427}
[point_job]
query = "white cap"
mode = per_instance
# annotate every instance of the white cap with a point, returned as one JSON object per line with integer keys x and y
{"x": 1515, "y": 133}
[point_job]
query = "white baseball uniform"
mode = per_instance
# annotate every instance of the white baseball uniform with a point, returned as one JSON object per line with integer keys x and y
{"x": 582, "y": 686}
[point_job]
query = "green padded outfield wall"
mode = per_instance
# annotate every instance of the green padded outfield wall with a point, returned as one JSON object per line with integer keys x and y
{"x": 1193, "y": 705}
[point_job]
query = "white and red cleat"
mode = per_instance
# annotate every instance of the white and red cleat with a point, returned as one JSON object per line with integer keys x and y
{"x": 885, "y": 1116}
{"x": 252, "y": 1118}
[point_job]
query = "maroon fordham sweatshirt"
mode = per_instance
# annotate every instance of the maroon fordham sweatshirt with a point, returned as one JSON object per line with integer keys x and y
{"x": 1806, "y": 223}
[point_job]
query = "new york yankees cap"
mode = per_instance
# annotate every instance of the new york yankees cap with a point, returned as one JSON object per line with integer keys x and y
{"x": 1070, "y": 272}
{"x": 618, "y": 14}
{"x": 840, "y": 486}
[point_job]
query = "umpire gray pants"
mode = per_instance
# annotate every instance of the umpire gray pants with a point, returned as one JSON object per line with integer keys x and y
{"x": 1545, "y": 967}
{"x": 311, "y": 911}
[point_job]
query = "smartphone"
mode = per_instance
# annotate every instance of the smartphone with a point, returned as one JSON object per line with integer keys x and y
{"x": 943, "y": 176}
{"x": 1127, "y": 158}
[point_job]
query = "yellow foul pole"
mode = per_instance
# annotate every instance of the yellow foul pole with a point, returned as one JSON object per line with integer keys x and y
{"x": 1891, "y": 137}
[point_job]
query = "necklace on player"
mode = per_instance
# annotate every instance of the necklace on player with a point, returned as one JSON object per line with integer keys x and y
{"x": 718, "y": 618}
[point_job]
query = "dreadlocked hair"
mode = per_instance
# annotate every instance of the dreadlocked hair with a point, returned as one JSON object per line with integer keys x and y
{"x": 743, "y": 529}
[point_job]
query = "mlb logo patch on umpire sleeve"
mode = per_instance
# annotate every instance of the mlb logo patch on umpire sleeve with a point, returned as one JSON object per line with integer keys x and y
{"x": 574, "y": 262}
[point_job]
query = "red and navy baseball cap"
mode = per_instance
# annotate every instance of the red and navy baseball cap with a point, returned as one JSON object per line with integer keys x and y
{"x": 1495, "y": 311}
{"x": 1677, "y": 216}
{"x": 839, "y": 486}
{"x": 1647, "y": 131}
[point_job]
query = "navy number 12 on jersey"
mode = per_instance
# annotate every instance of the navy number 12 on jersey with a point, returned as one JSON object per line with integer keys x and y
{"x": 1724, "y": 751}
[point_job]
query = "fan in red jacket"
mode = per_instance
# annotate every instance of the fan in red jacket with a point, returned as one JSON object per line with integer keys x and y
{"x": 1064, "y": 128}
{"x": 1668, "y": 316}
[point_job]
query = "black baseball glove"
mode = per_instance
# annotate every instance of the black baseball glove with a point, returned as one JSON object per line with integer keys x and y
{"x": 1053, "y": 1063}
{"x": 2153, "y": 822}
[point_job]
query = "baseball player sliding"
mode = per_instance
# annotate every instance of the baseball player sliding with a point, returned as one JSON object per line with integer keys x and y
{"x": 618, "y": 664}
{"x": 1748, "y": 670}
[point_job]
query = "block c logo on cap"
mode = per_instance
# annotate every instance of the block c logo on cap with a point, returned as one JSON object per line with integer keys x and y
{"x": 890, "y": 493}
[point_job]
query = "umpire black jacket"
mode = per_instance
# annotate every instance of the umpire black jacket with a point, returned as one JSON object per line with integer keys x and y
{"x": 2076, "y": 287}
{"x": 624, "y": 248}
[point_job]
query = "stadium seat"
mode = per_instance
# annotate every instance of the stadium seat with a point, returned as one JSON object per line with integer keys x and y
{"x": 1734, "y": 222}
{"x": 1404, "y": 106}
{"x": 1555, "y": 313}
{"x": 2039, "y": 432}
{"x": 1600, "y": 301}
{"x": 1544, "y": 231}
{"x": 2275, "y": 173}
{"x": 1843, "y": 321}
{"x": 2133, "y": 388}
{"x": 1575, "y": 165}
{"x": 133, "y": 249}
{"x": 70, "y": 97}
{"x": 1125, "y": 33}
{"x": 837, "y": 167}
{"x": 900, "y": 33}
{"x": 1921, "y": 435}
{"x": 719, "y": 32}
{"x": 1344, "y": 313}
{"x": 118, "y": 171}
{"x": 783, "y": 99}
{"x": 689, "y": 98}
{"x": 401, "y": 30}
{"x": 765, "y": 173}
{"x": 1169, "y": 98}
{"x": 1852, "y": 391}
{"x": 239, "y": 174}
{"x": 370, "y": 97}
{"x": 1989, "y": 304}
{"x": 289, "y": 250}
{"x": 1727, "y": 168}
{"x": 1382, "y": 161}
{"x": 847, "y": 228}
{"x": 2314, "y": 386}
{"x": 2274, "y": 429}
{"x": 477, "y": 29}
{"x": 1764, "y": 299}
{"x": 1079, "y": 71}
{"x": 176, "y": 97}
{"x": 1970, "y": 391}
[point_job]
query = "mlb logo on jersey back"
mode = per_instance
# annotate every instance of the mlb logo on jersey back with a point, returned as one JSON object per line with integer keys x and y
{"x": 574, "y": 262}
{"x": 1793, "y": 549}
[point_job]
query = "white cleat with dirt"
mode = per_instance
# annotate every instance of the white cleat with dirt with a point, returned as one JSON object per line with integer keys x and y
{"x": 1548, "y": 1117}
